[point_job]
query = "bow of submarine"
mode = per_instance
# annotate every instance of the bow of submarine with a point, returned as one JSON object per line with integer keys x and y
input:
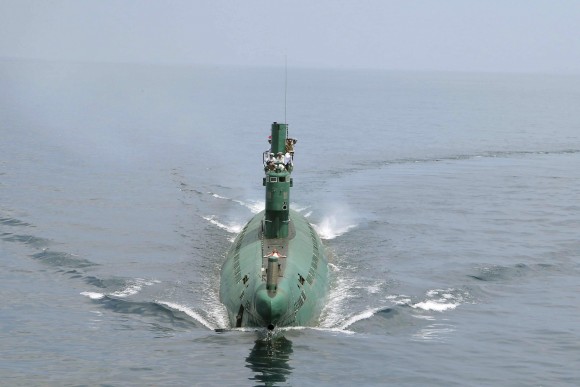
{"x": 271, "y": 306}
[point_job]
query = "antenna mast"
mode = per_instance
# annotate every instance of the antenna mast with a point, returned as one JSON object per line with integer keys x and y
{"x": 285, "y": 88}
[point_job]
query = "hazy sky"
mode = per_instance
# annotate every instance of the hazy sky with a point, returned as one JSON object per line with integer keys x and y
{"x": 466, "y": 35}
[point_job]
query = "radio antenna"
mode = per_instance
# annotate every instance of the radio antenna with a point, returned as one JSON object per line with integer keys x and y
{"x": 285, "y": 88}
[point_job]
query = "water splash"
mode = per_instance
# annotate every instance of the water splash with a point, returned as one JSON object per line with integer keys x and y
{"x": 93, "y": 295}
{"x": 211, "y": 300}
{"x": 255, "y": 206}
{"x": 438, "y": 300}
{"x": 218, "y": 196}
{"x": 131, "y": 288}
{"x": 211, "y": 313}
{"x": 337, "y": 219}
{"x": 322, "y": 329}
{"x": 333, "y": 226}
{"x": 233, "y": 227}
{"x": 335, "y": 313}
{"x": 366, "y": 314}
{"x": 188, "y": 311}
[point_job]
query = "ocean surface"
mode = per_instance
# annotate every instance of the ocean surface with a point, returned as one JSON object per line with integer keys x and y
{"x": 449, "y": 204}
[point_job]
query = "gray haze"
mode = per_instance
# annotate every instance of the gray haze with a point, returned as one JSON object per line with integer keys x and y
{"x": 453, "y": 35}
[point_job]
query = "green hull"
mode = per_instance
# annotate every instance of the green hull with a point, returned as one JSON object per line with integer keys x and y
{"x": 297, "y": 294}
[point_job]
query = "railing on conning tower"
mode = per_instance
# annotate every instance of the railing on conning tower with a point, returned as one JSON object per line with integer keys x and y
{"x": 280, "y": 156}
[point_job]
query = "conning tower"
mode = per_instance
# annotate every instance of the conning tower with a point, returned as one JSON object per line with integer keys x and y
{"x": 278, "y": 166}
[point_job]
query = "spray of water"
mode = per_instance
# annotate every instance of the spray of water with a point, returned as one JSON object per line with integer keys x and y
{"x": 337, "y": 219}
{"x": 233, "y": 227}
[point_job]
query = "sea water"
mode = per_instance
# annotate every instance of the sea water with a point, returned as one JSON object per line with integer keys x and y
{"x": 448, "y": 204}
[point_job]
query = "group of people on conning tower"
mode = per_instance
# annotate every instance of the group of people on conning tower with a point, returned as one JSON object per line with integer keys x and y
{"x": 280, "y": 161}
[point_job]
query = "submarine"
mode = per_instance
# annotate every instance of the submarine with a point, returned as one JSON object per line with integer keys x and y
{"x": 275, "y": 274}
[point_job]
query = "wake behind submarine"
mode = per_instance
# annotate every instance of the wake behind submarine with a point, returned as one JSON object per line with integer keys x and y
{"x": 276, "y": 272}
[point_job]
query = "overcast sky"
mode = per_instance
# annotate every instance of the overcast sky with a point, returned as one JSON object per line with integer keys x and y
{"x": 449, "y": 35}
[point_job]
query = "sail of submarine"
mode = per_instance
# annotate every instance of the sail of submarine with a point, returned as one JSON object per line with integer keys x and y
{"x": 276, "y": 271}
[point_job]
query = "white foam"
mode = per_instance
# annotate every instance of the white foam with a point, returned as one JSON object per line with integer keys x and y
{"x": 400, "y": 299}
{"x": 336, "y": 330}
{"x": 438, "y": 300}
{"x": 93, "y": 295}
{"x": 375, "y": 288}
{"x": 360, "y": 316}
{"x": 216, "y": 311}
{"x": 233, "y": 228}
{"x": 301, "y": 328}
{"x": 188, "y": 311}
{"x": 254, "y": 206}
{"x": 434, "y": 305}
{"x": 128, "y": 291}
{"x": 332, "y": 226}
{"x": 133, "y": 288}
{"x": 337, "y": 298}
{"x": 218, "y": 196}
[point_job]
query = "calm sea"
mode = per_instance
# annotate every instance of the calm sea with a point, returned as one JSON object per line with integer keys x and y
{"x": 449, "y": 205}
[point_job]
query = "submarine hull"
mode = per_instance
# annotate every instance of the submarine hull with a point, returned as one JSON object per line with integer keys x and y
{"x": 288, "y": 288}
